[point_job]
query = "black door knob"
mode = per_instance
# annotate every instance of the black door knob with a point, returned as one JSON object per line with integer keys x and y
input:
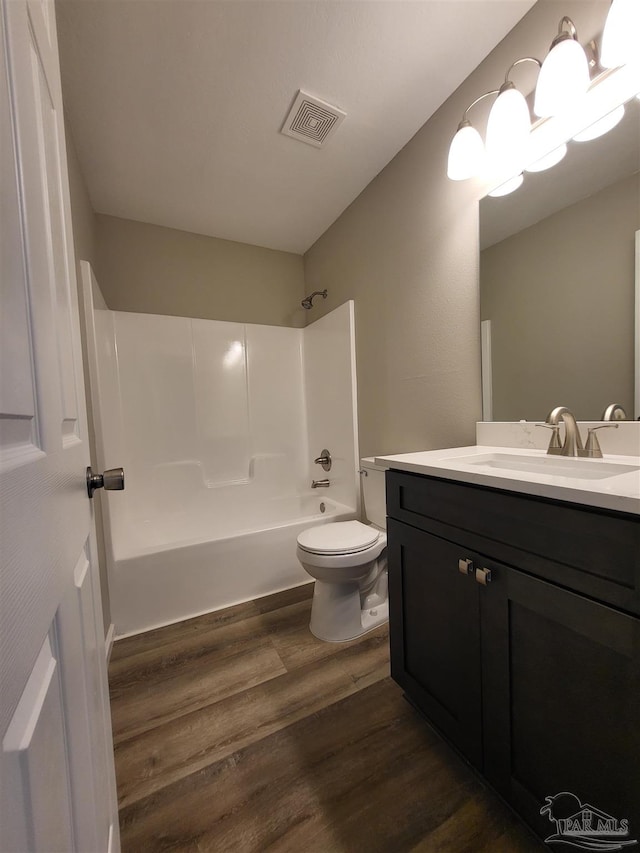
{"x": 113, "y": 478}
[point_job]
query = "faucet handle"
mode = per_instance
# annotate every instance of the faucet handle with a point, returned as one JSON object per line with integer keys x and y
{"x": 555, "y": 445}
{"x": 324, "y": 459}
{"x": 592, "y": 448}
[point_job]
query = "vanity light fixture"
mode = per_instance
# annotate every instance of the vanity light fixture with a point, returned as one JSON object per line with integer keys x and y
{"x": 564, "y": 76}
{"x": 467, "y": 155}
{"x": 570, "y": 105}
{"x": 620, "y": 36}
{"x": 509, "y": 126}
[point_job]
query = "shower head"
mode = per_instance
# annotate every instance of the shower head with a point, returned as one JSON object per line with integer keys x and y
{"x": 307, "y": 302}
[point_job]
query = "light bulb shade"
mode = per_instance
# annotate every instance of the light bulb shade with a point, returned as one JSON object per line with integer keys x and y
{"x": 508, "y": 187}
{"x": 563, "y": 79}
{"x": 508, "y": 131}
{"x": 602, "y": 126}
{"x": 549, "y": 160}
{"x": 621, "y": 32}
{"x": 466, "y": 154}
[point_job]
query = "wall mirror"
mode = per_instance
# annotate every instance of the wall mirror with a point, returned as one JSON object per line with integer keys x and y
{"x": 559, "y": 263}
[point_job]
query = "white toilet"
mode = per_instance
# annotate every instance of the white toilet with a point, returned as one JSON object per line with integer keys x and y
{"x": 348, "y": 559}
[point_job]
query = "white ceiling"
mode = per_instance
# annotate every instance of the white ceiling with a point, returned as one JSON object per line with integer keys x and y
{"x": 176, "y": 105}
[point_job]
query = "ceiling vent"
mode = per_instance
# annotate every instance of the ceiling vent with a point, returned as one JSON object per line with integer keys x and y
{"x": 311, "y": 120}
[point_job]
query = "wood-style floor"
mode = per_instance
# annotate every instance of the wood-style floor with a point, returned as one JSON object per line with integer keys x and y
{"x": 239, "y": 731}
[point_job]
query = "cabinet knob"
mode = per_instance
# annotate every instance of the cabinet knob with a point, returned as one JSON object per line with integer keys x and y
{"x": 483, "y": 576}
{"x": 465, "y": 567}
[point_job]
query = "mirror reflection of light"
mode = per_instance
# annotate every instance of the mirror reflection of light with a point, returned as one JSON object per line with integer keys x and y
{"x": 234, "y": 355}
{"x": 548, "y": 160}
{"x": 602, "y": 126}
{"x": 508, "y": 187}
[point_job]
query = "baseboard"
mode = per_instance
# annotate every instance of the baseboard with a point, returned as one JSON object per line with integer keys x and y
{"x": 108, "y": 642}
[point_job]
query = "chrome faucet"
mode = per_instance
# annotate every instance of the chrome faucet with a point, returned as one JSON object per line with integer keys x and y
{"x": 320, "y": 484}
{"x": 572, "y": 445}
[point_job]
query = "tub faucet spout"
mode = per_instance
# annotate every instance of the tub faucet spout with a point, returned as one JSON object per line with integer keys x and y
{"x": 320, "y": 484}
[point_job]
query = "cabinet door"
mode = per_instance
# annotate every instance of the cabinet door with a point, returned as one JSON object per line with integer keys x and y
{"x": 435, "y": 634}
{"x": 561, "y": 700}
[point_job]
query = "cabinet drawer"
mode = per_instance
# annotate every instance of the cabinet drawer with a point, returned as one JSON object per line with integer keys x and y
{"x": 592, "y": 551}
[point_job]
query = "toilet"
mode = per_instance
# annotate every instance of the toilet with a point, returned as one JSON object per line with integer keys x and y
{"x": 348, "y": 559}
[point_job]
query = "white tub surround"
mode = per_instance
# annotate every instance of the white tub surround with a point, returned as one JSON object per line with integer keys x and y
{"x": 624, "y": 441}
{"x": 330, "y": 376}
{"x": 609, "y": 483}
{"x": 212, "y": 423}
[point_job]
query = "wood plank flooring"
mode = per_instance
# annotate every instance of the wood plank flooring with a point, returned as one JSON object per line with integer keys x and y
{"x": 239, "y": 731}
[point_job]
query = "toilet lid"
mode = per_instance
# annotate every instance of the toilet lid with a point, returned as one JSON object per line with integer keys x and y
{"x": 339, "y": 537}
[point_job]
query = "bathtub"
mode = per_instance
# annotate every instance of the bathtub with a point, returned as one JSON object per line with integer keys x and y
{"x": 216, "y": 425}
{"x": 171, "y": 565}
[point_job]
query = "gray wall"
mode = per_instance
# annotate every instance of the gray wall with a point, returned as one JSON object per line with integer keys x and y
{"x": 407, "y": 251}
{"x": 156, "y": 270}
{"x": 560, "y": 297}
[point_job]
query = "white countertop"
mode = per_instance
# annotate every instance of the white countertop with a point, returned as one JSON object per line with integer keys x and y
{"x": 615, "y": 491}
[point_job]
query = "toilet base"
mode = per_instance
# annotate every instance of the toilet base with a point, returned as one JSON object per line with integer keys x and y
{"x": 337, "y": 615}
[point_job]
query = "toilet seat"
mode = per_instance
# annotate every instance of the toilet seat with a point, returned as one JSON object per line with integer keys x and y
{"x": 338, "y": 537}
{"x": 357, "y": 560}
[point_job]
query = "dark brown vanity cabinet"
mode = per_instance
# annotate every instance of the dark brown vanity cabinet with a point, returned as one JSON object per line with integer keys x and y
{"x": 514, "y": 629}
{"x": 435, "y": 634}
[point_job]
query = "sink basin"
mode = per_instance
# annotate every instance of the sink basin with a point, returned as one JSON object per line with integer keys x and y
{"x": 577, "y": 468}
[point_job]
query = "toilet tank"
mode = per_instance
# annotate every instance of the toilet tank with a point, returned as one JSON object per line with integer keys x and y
{"x": 373, "y": 492}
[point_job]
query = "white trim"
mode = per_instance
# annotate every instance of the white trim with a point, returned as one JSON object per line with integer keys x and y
{"x": 354, "y": 405}
{"x": 636, "y": 360}
{"x": 487, "y": 371}
{"x": 26, "y": 716}
{"x": 108, "y": 642}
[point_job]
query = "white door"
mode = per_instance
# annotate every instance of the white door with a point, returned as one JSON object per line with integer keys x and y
{"x": 57, "y": 779}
